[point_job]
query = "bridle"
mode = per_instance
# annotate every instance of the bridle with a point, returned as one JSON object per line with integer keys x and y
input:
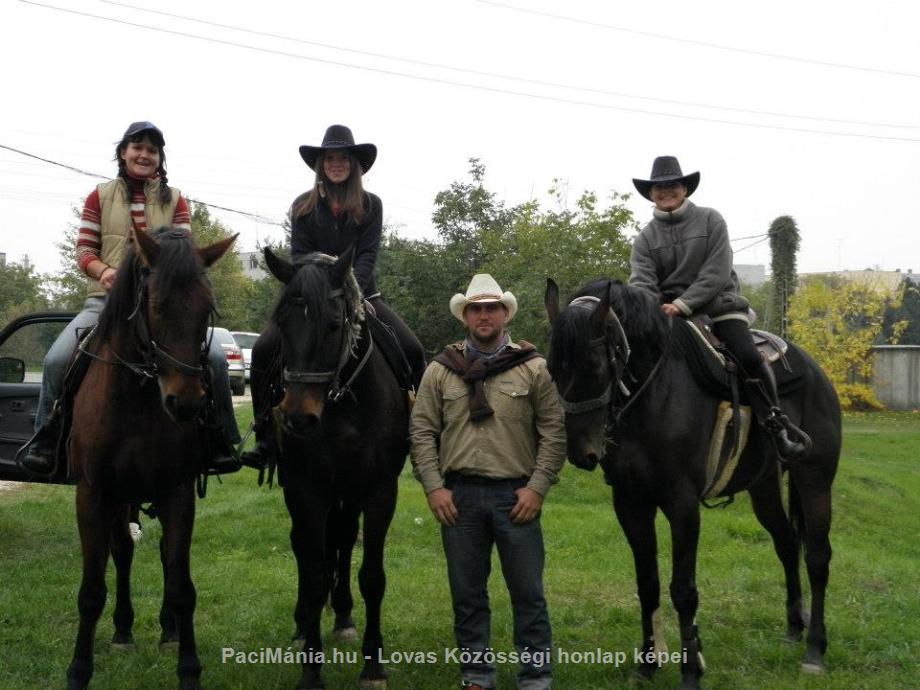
{"x": 616, "y": 358}
{"x": 346, "y": 347}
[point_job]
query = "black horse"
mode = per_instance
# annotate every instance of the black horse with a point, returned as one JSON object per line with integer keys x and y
{"x": 344, "y": 424}
{"x": 137, "y": 436}
{"x": 611, "y": 338}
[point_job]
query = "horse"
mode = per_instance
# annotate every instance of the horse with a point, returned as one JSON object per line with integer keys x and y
{"x": 137, "y": 437}
{"x": 610, "y": 338}
{"x": 344, "y": 425}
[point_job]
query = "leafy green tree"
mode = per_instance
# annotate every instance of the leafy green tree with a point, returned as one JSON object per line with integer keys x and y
{"x": 837, "y": 322}
{"x": 21, "y": 291}
{"x": 68, "y": 285}
{"x": 230, "y": 284}
{"x": 902, "y": 319}
{"x": 784, "y": 243}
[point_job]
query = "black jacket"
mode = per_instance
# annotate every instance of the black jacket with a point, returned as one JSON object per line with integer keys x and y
{"x": 320, "y": 231}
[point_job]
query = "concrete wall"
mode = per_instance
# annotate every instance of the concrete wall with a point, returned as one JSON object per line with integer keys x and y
{"x": 896, "y": 376}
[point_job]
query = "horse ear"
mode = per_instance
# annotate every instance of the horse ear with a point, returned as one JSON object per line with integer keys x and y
{"x": 342, "y": 264}
{"x": 213, "y": 252}
{"x": 551, "y": 300}
{"x": 147, "y": 247}
{"x": 282, "y": 269}
{"x": 599, "y": 316}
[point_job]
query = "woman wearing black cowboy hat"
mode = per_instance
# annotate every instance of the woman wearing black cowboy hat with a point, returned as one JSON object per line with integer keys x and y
{"x": 683, "y": 256}
{"x": 332, "y": 215}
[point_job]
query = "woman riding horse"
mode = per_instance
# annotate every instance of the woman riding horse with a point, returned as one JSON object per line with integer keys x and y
{"x": 684, "y": 255}
{"x": 137, "y": 200}
{"x": 329, "y": 218}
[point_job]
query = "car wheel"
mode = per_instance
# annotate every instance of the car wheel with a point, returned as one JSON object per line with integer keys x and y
{"x": 238, "y": 387}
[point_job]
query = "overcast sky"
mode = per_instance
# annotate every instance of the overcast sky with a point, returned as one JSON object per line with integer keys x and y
{"x": 810, "y": 109}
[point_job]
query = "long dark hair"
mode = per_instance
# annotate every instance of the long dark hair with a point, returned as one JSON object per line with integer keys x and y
{"x": 349, "y": 195}
{"x": 165, "y": 194}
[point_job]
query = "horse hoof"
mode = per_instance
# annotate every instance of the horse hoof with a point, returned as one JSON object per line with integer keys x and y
{"x": 345, "y": 635}
{"x": 128, "y": 647}
{"x": 371, "y": 684}
{"x": 813, "y": 668}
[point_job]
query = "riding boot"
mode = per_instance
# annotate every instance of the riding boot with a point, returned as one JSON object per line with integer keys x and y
{"x": 765, "y": 401}
{"x": 221, "y": 457}
{"x": 263, "y": 452}
{"x": 41, "y": 453}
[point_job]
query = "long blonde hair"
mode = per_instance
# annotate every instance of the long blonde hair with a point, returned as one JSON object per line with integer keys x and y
{"x": 349, "y": 196}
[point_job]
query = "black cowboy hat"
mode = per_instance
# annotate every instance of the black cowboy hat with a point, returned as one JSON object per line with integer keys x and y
{"x": 667, "y": 169}
{"x": 339, "y": 137}
{"x": 135, "y": 128}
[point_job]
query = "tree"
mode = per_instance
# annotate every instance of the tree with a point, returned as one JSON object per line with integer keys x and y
{"x": 784, "y": 243}
{"x": 837, "y": 322}
{"x": 68, "y": 285}
{"x": 21, "y": 291}
{"x": 520, "y": 246}
{"x": 902, "y": 318}
{"x": 230, "y": 284}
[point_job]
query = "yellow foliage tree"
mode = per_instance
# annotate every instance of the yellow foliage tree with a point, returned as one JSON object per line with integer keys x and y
{"x": 837, "y": 322}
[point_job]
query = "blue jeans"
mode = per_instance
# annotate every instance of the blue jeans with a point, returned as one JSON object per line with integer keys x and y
{"x": 57, "y": 361}
{"x": 483, "y": 506}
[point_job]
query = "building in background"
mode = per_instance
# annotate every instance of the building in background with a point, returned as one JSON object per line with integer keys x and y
{"x": 252, "y": 265}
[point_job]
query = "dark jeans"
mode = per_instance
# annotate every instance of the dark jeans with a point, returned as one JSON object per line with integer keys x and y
{"x": 483, "y": 506}
{"x": 736, "y": 335}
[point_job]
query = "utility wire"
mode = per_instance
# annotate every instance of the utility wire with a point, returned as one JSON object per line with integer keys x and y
{"x": 507, "y": 77}
{"x": 749, "y": 237}
{"x": 694, "y": 42}
{"x": 752, "y": 244}
{"x": 490, "y": 89}
{"x": 248, "y": 214}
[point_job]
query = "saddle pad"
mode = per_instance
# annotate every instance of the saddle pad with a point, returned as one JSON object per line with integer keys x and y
{"x": 718, "y": 470}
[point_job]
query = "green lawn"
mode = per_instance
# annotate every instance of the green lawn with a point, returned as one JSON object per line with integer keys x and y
{"x": 245, "y": 576}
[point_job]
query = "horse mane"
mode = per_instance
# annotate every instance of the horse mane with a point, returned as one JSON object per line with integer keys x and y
{"x": 310, "y": 282}
{"x": 178, "y": 269}
{"x": 637, "y": 310}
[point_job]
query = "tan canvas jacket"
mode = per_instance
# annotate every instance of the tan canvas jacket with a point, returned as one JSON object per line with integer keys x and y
{"x": 524, "y": 438}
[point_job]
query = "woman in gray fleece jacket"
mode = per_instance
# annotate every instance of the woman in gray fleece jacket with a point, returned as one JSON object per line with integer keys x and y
{"x": 684, "y": 256}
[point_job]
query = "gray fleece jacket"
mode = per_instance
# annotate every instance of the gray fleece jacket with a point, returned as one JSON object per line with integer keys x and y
{"x": 685, "y": 257}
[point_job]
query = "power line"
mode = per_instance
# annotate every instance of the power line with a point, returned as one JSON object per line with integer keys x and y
{"x": 496, "y": 75}
{"x": 248, "y": 214}
{"x": 555, "y": 99}
{"x": 694, "y": 42}
{"x": 752, "y": 244}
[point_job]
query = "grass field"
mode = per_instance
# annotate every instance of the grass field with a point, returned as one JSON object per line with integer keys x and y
{"x": 245, "y": 576}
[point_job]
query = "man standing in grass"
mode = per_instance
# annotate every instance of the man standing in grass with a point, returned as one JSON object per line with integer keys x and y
{"x": 488, "y": 441}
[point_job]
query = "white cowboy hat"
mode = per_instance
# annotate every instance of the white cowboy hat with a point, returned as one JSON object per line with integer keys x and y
{"x": 483, "y": 288}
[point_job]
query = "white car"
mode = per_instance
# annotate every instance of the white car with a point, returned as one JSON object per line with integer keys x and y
{"x": 245, "y": 341}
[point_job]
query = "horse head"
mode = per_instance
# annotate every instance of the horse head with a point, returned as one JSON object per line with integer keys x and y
{"x": 318, "y": 314}
{"x": 587, "y": 357}
{"x": 173, "y": 302}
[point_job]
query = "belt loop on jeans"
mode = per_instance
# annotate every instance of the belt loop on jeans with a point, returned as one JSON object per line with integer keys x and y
{"x": 452, "y": 478}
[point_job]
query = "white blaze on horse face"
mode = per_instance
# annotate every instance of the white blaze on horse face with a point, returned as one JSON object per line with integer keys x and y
{"x": 142, "y": 158}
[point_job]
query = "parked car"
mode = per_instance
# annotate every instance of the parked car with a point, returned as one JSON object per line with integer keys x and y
{"x": 234, "y": 354}
{"x": 23, "y": 344}
{"x": 245, "y": 341}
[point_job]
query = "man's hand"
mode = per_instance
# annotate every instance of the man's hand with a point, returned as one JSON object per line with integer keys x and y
{"x": 527, "y": 507}
{"x": 441, "y": 502}
{"x": 671, "y": 309}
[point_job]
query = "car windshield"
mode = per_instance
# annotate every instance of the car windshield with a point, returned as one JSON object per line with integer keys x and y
{"x": 245, "y": 340}
{"x": 222, "y": 336}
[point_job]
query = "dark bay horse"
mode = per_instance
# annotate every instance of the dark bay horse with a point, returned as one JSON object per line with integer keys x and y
{"x": 137, "y": 436}
{"x": 344, "y": 438}
{"x": 611, "y": 338}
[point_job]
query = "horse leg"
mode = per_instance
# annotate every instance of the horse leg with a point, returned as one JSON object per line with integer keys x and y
{"x": 342, "y": 533}
{"x": 637, "y": 518}
{"x": 169, "y": 633}
{"x": 94, "y": 521}
{"x": 767, "y": 502}
{"x": 815, "y": 507}
{"x": 123, "y": 556}
{"x": 683, "y": 515}
{"x": 308, "y": 511}
{"x": 378, "y": 513}
{"x": 177, "y": 516}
